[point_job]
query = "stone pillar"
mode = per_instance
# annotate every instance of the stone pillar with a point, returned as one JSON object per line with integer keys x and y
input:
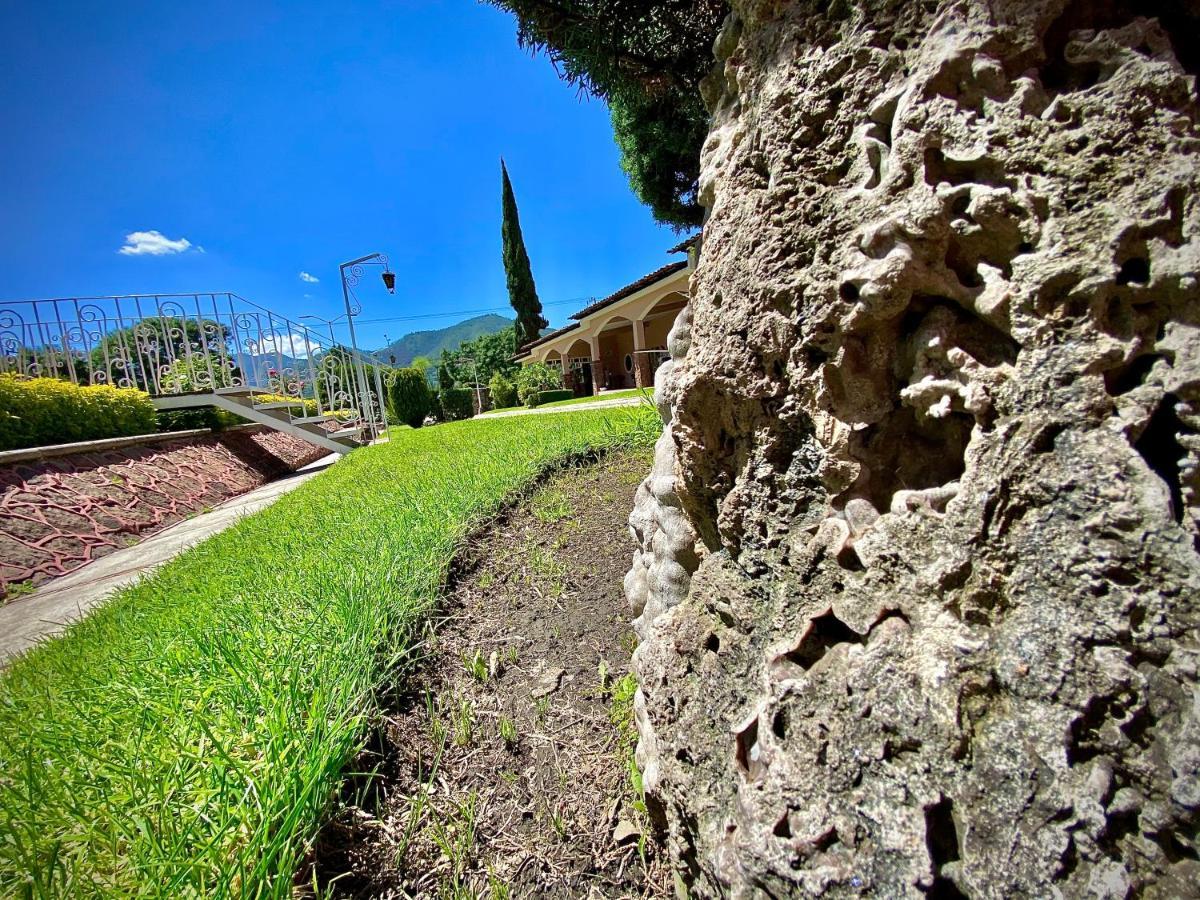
{"x": 643, "y": 375}
{"x": 597, "y": 366}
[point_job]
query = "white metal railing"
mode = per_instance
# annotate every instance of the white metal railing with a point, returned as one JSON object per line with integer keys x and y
{"x": 171, "y": 344}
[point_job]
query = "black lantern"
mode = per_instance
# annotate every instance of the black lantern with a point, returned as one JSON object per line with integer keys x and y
{"x": 389, "y": 282}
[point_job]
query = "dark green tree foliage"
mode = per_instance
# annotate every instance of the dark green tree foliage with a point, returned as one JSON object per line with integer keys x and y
{"x": 409, "y": 397}
{"x": 492, "y": 353}
{"x": 646, "y": 59}
{"x": 456, "y": 404}
{"x": 522, "y": 293}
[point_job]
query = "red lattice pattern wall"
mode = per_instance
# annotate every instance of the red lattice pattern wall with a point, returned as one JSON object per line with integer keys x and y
{"x": 57, "y": 514}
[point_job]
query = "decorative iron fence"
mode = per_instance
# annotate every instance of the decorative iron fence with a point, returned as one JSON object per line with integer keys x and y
{"x": 171, "y": 344}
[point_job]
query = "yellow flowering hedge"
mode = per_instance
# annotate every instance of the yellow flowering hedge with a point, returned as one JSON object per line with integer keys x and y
{"x": 35, "y": 412}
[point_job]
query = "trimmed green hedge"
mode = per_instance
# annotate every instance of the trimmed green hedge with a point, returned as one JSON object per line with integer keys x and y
{"x": 409, "y": 397}
{"x": 35, "y": 412}
{"x": 553, "y": 396}
{"x": 456, "y": 404}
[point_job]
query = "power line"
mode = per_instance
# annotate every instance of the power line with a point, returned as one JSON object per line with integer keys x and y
{"x": 463, "y": 312}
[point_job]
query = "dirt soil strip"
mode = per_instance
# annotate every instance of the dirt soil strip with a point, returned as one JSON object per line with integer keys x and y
{"x": 502, "y": 766}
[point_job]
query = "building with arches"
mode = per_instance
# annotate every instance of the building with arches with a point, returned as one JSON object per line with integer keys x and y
{"x": 618, "y": 342}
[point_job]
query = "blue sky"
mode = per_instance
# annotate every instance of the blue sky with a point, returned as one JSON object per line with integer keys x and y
{"x": 286, "y": 138}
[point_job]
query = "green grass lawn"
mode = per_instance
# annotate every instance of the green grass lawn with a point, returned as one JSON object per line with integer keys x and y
{"x": 185, "y": 739}
{"x": 648, "y": 393}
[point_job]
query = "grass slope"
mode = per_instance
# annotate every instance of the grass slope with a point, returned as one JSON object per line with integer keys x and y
{"x": 185, "y": 739}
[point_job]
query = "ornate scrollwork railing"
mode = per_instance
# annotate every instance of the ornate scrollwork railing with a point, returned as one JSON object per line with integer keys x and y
{"x": 168, "y": 344}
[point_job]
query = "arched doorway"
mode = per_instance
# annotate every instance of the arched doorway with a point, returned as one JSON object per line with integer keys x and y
{"x": 577, "y": 368}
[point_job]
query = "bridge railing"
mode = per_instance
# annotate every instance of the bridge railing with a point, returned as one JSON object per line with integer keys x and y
{"x": 169, "y": 344}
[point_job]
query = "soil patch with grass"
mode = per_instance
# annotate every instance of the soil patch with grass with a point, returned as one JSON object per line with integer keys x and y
{"x": 503, "y": 766}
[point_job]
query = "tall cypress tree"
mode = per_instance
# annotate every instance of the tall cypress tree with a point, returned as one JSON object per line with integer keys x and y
{"x": 522, "y": 293}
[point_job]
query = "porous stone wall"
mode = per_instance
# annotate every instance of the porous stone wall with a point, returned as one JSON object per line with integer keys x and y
{"x": 917, "y": 574}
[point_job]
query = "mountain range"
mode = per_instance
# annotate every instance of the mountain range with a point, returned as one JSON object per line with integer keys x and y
{"x": 432, "y": 343}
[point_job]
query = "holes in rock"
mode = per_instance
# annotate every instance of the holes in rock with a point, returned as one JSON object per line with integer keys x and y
{"x": 893, "y": 749}
{"x": 783, "y": 828}
{"x": 779, "y": 724}
{"x": 941, "y": 840}
{"x": 1177, "y": 20}
{"x": 941, "y": 168}
{"x": 964, "y": 269}
{"x": 905, "y": 449}
{"x": 1069, "y": 861}
{"x": 1085, "y": 741}
{"x": 1118, "y": 826}
{"x": 1135, "y": 270}
{"x": 1124, "y": 379}
{"x": 1024, "y": 247}
{"x": 748, "y": 751}
{"x": 1137, "y": 727}
{"x": 1043, "y": 441}
{"x": 712, "y": 643}
{"x": 823, "y": 632}
{"x": 848, "y": 291}
{"x": 1159, "y": 446}
{"x": 847, "y": 557}
{"x": 684, "y": 757}
{"x": 904, "y": 452}
{"x": 1173, "y": 847}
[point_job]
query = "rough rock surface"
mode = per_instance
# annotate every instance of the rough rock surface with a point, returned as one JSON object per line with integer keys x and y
{"x": 917, "y": 579}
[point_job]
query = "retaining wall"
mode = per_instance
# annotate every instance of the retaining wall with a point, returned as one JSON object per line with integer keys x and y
{"x": 59, "y": 511}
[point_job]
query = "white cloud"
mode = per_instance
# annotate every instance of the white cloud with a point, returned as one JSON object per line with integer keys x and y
{"x": 155, "y": 243}
{"x": 309, "y": 279}
{"x": 295, "y": 345}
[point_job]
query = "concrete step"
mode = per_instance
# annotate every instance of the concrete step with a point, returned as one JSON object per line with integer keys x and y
{"x": 242, "y": 390}
{"x": 346, "y": 436}
{"x": 279, "y": 404}
{"x": 311, "y": 420}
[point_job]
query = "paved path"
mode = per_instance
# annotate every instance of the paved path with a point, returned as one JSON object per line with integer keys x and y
{"x": 47, "y": 612}
{"x": 570, "y": 407}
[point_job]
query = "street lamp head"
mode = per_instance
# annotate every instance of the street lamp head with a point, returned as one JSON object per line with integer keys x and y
{"x": 389, "y": 281}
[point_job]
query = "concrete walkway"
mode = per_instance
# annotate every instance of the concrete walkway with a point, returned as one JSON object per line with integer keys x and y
{"x": 570, "y": 407}
{"x": 48, "y": 611}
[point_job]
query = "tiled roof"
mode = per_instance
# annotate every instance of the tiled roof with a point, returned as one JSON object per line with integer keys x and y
{"x": 629, "y": 289}
{"x": 547, "y": 337}
{"x": 685, "y": 244}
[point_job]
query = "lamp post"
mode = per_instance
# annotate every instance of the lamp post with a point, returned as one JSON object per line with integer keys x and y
{"x": 351, "y": 273}
{"x": 475, "y": 369}
{"x": 328, "y": 323}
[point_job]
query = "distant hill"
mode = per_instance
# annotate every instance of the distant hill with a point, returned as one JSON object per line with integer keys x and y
{"x": 432, "y": 343}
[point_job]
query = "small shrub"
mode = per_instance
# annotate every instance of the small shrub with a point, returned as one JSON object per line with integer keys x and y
{"x": 553, "y": 396}
{"x": 508, "y": 732}
{"x": 476, "y": 666}
{"x": 456, "y": 404}
{"x": 535, "y": 378}
{"x": 503, "y": 391}
{"x": 35, "y": 412}
{"x": 409, "y": 397}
